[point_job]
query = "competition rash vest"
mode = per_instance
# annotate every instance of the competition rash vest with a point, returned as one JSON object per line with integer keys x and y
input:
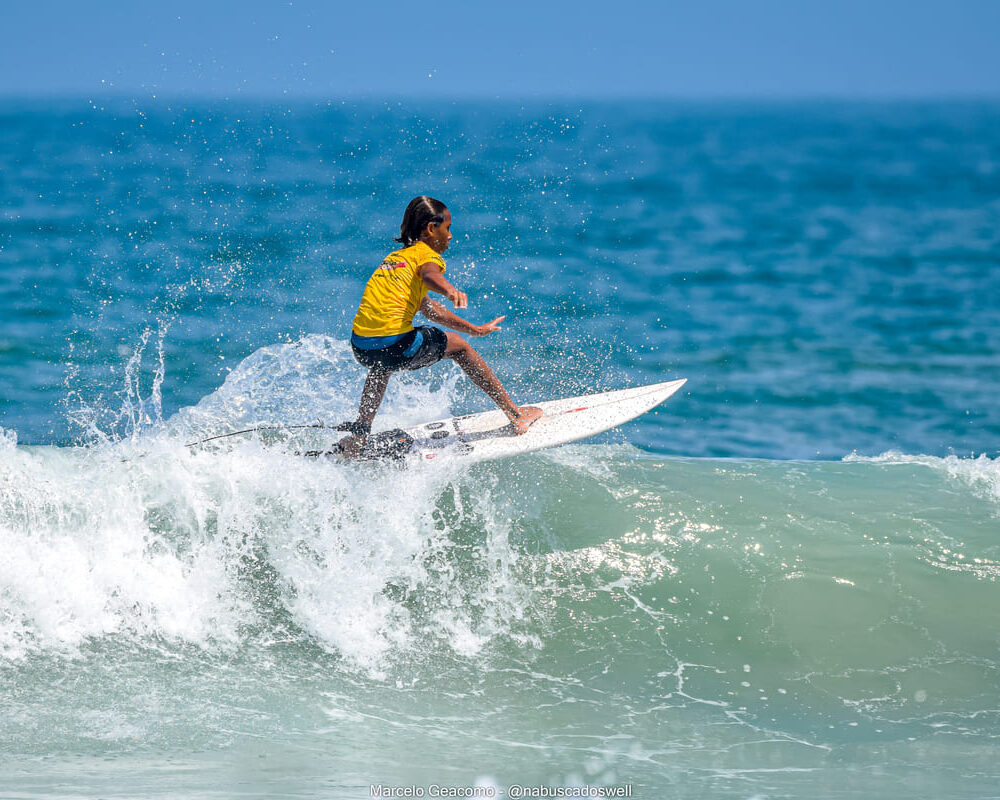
{"x": 394, "y": 292}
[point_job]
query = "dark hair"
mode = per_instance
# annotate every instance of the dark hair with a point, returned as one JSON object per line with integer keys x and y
{"x": 421, "y": 211}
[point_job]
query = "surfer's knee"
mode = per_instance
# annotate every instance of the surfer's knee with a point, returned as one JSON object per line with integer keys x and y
{"x": 457, "y": 346}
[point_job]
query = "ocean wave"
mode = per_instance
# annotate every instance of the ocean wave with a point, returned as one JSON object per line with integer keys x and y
{"x": 742, "y": 587}
{"x": 783, "y": 605}
{"x": 149, "y": 538}
{"x": 981, "y": 473}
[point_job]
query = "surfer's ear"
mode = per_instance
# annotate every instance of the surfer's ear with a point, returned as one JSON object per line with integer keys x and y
{"x": 430, "y": 231}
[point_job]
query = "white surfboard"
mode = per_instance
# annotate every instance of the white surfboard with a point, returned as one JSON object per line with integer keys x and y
{"x": 488, "y": 435}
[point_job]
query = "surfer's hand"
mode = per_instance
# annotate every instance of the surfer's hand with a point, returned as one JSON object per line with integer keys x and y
{"x": 458, "y": 299}
{"x": 489, "y": 327}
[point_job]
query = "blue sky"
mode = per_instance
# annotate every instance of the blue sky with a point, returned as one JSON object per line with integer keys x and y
{"x": 519, "y": 48}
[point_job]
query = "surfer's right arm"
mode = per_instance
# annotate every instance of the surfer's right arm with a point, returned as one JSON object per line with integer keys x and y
{"x": 436, "y": 312}
{"x": 430, "y": 273}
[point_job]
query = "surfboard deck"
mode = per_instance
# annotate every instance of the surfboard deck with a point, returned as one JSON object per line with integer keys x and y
{"x": 489, "y": 435}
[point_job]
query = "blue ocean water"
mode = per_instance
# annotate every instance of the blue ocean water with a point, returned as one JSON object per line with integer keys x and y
{"x": 782, "y": 582}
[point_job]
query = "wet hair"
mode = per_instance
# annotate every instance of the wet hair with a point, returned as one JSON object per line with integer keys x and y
{"x": 421, "y": 211}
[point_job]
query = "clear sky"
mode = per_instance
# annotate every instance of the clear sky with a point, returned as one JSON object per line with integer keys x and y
{"x": 513, "y": 48}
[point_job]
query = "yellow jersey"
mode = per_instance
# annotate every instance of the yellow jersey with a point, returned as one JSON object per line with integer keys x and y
{"x": 394, "y": 292}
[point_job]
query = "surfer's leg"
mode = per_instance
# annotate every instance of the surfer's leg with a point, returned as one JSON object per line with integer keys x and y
{"x": 479, "y": 372}
{"x": 371, "y": 399}
{"x": 372, "y": 394}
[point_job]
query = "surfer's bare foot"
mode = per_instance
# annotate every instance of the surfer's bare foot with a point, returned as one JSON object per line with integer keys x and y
{"x": 525, "y": 417}
{"x": 350, "y": 446}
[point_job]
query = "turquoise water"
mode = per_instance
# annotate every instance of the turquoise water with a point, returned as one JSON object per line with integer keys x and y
{"x": 782, "y": 583}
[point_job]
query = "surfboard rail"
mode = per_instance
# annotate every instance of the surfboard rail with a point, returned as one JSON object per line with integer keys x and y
{"x": 488, "y": 435}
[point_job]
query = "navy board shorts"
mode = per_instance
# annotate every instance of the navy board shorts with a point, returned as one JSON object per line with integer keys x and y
{"x": 418, "y": 348}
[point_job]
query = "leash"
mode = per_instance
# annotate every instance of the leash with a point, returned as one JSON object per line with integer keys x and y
{"x": 357, "y": 428}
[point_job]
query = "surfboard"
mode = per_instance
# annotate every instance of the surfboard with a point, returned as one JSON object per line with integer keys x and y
{"x": 488, "y": 435}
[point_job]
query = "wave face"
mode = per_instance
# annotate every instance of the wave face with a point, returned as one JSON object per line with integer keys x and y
{"x": 760, "y": 626}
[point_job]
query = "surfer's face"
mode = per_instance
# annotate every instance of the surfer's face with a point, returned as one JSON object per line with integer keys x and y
{"x": 438, "y": 235}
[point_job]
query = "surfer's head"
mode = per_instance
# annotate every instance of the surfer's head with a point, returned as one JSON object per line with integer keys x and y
{"x": 427, "y": 220}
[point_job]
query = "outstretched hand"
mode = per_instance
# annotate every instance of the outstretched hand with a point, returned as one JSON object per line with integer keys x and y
{"x": 489, "y": 327}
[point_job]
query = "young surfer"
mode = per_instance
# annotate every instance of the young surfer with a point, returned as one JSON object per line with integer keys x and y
{"x": 384, "y": 339}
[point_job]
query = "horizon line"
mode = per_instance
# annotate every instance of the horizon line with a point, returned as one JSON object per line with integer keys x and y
{"x": 104, "y": 93}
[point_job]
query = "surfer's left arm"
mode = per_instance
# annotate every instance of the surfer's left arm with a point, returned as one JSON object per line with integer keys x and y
{"x": 432, "y": 275}
{"x": 436, "y": 312}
